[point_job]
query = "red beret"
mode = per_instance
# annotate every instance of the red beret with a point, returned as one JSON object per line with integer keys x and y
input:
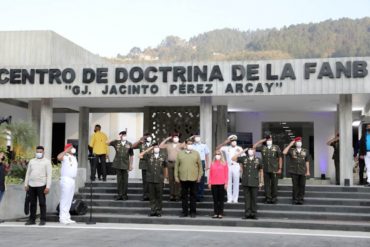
{"x": 68, "y": 145}
{"x": 298, "y": 139}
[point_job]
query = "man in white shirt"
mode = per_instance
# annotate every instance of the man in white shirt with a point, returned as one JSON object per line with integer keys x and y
{"x": 37, "y": 183}
{"x": 67, "y": 182}
{"x": 229, "y": 149}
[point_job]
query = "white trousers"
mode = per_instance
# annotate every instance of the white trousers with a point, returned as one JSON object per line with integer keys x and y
{"x": 367, "y": 164}
{"x": 233, "y": 185}
{"x": 67, "y": 190}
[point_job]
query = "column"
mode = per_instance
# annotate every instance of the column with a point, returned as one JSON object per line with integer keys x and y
{"x": 34, "y": 117}
{"x": 83, "y": 139}
{"x": 220, "y": 124}
{"x": 345, "y": 139}
{"x": 46, "y": 126}
{"x": 206, "y": 121}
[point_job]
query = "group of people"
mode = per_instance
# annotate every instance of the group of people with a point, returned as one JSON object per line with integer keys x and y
{"x": 185, "y": 165}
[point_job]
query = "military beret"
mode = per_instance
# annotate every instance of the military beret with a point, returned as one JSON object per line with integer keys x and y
{"x": 298, "y": 139}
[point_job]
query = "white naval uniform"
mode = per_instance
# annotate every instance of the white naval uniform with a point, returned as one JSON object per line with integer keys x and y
{"x": 234, "y": 172}
{"x": 67, "y": 186}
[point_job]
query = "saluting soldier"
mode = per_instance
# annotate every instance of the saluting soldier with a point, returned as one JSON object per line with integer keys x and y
{"x": 155, "y": 173}
{"x": 298, "y": 168}
{"x": 252, "y": 179}
{"x": 272, "y": 165}
{"x": 143, "y": 144}
{"x": 334, "y": 142}
{"x": 122, "y": 163}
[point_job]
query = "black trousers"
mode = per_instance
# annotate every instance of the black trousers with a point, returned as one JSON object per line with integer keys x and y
{"x": 271, "y": 185}
{"x": 98, "y": 164}
{"x": 37, "y": 193}
{"x": 337, "y": 172}
{"x": 299, "y": 186}
{"x": 250, "y": 200}
{"x": 189, "y": 188}
{"x": 218, "y": 193}
{"x": 361, "y": 164}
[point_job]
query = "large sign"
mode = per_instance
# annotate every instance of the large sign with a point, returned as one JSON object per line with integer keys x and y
{"x": 279, "y": 77}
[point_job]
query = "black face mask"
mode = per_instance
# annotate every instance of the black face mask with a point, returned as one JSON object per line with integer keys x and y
{"x": 3, "y": 158}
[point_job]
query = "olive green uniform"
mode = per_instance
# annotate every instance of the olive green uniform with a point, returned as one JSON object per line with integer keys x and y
{"x": 335, "y": 157}
{"x": 121, "y": 163}
{"x": 154, "y": 178}
{"x": 250, "y": 182}
{"x": 270, "y": 160}
{"x": 143, "y": 163}
{"x": 297, "y": 170}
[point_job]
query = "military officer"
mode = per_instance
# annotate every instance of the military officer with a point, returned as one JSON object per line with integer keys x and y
{"x": 143, "y": 144}
{"x": 298, "y": 168}
{"x": 122, "y": 163}
{"x": 272, "y": 165}
{"x": 155, "y": 173}
{"x": 252, "y": 179}
{"x": 334, "y": 142}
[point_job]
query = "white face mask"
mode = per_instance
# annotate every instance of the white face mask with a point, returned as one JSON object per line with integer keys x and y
{"x": 73, "y": 151}
{"x": 156, "y": 150}
{"x": 217, "y": 157}
{"x": 250, "y": 153}
{"x": 189, "y": 147}
{"x": 149, "y": 139}
{"x": 39, "y": 155}
{"x": 233, "y": 143}
{"x": 298, "y": 144}
{"x": 197, "y": 139}
{"x": 269, "y": 143}
{"x": 175, "y": 139}
{"x": 123, "y": 138}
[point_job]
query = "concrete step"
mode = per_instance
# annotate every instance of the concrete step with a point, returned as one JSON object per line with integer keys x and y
{"x": 226, "y": 221}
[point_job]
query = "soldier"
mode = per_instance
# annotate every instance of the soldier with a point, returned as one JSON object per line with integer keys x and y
{"x": 298, "y": 168}
{"x": 156, "y": 172}
{"x": 252, "y": 178}
{"x": 334, "y": 142}
{"x": 173, "y": 148}
{"x": 143, "y": 144}
{"x": 272, "y": 165}
{"x": 229, "y": 148}
{"x": 122, "y": 163}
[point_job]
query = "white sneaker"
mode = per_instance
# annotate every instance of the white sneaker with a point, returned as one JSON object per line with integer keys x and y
{"x": 229, "y": 202}
{"x": 71, "y": 221}
{"x": 64, "y": 222}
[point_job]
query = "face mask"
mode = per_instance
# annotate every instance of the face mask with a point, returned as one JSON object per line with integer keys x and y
{"x": 197, "y": 139}
{"x": 233, "y": 143}
{"x": 123, "y": 138}
{"x": 149, "y": 139}
{"x": 298, "y": 144}
{"x": 73, "y": 150}
{"x": 189, "y": 147}
{"x": 269, "y": 143}
{"x": 175, "y": 139}
{"x": 218, "y": 157}
{"x": 156, "y": 150}
{"x": 39, "y": 155}
{"x": 250, "y": 153}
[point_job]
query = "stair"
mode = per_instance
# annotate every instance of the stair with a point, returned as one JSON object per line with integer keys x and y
{"x": 326, "y": 207}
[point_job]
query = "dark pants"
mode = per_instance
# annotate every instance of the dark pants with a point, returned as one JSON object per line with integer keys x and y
{"x": 1, "y": 194}
{"x": 361, "y": 164}
{"x": 155, "y": 196}
{"x": 201, "y": 183}
{"x": 250, "y": 200}
{"x": 271, "y": 185}
{"x": 145, "y": 184}
{"x": 122, "y": 182}
{"x": 175, "y": 189}
{"x": 299, "y": 185}
{"x": 218, "y": 193}
{"x": 189, "y": 188}
{"x": 34, "y": 193}
{"x": 337, "y": 172}
{"x": 98, "y": 164}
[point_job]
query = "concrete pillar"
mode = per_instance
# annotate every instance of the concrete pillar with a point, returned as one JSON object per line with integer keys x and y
{"x": 83, "y": 139}
{"x": 146, "y": 124}
{"x": 220, "y": 124}
{"x": 345, "y": 135}
{"x": 206, "y": 121}
{"x": 46, "y": 126}
{"x": 337, "y": 120}
{"x": 34, "y": 117}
